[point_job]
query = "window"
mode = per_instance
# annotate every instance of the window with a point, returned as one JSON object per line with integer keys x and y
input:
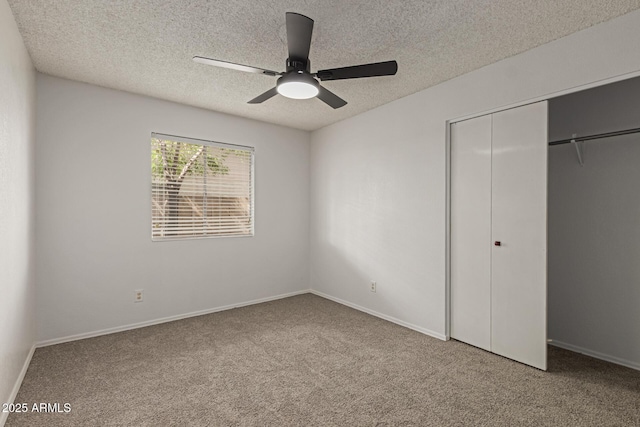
{"x": 200, "y": 188}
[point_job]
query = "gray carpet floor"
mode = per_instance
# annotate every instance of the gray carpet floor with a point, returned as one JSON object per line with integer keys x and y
{"x": 307, "y": 361}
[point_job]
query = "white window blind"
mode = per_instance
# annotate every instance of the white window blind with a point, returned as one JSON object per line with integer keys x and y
{"x": 200, "y": 188}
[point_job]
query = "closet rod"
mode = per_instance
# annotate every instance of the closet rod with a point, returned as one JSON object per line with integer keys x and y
{"x": 598, "y": 136}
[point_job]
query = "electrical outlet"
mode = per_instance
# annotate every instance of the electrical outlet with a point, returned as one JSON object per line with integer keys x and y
{"x": 138, "y": 295}
{"x": 373, "y": 286}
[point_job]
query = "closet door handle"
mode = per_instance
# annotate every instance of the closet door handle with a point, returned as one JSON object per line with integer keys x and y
{"x": 497, "y": 243}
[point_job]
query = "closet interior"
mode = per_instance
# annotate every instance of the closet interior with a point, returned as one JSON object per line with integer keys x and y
{"x": 594, "y": 222}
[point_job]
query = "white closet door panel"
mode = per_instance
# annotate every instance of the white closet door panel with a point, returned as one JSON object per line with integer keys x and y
{"x": 471, "y": 232}
{"x": 519, "y": 222}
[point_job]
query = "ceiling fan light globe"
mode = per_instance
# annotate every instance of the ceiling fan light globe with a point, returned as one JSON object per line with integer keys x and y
{"x": 298, "y": 86}
{"x": 298, "y": 90}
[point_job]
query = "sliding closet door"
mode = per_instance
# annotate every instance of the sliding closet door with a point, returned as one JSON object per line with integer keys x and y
{"x": 471, "y": 231}
{"x": 519, "y": 224}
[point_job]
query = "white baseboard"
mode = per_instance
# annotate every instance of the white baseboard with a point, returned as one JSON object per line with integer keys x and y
{"x": 596, "y": 354}
{"x": 232, "y": 306}
{"x": 18, "y": 383}
{"x": 107, "y": 331}
{"x": 382, "y": 316}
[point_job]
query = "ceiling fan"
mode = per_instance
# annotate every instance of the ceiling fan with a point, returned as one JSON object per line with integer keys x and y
{"x": 297, "y": 81}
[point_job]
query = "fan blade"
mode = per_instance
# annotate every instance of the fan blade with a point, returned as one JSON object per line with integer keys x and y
{"x": 388, "y": 68}
{"x": 267, "y": 95}
{"x": 299, "y": 30}
{"x": 231, "y": 65}
{"x": 330, "y": 98}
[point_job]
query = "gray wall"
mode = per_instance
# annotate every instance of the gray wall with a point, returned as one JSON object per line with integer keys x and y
{"x": 594, "y": 225}
{"x": 94, "y": 214}
{"x": 17, "y": 244}
{"x": 603, "y": 109}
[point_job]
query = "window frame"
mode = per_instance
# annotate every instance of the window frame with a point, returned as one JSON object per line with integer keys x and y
{"x": 210, "y": 143}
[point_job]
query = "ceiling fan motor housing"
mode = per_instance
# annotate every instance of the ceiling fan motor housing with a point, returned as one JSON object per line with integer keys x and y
{"x": 294, "y": 64}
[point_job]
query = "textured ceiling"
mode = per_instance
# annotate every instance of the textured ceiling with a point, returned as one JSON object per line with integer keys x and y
{"x": 145, "y": 46}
